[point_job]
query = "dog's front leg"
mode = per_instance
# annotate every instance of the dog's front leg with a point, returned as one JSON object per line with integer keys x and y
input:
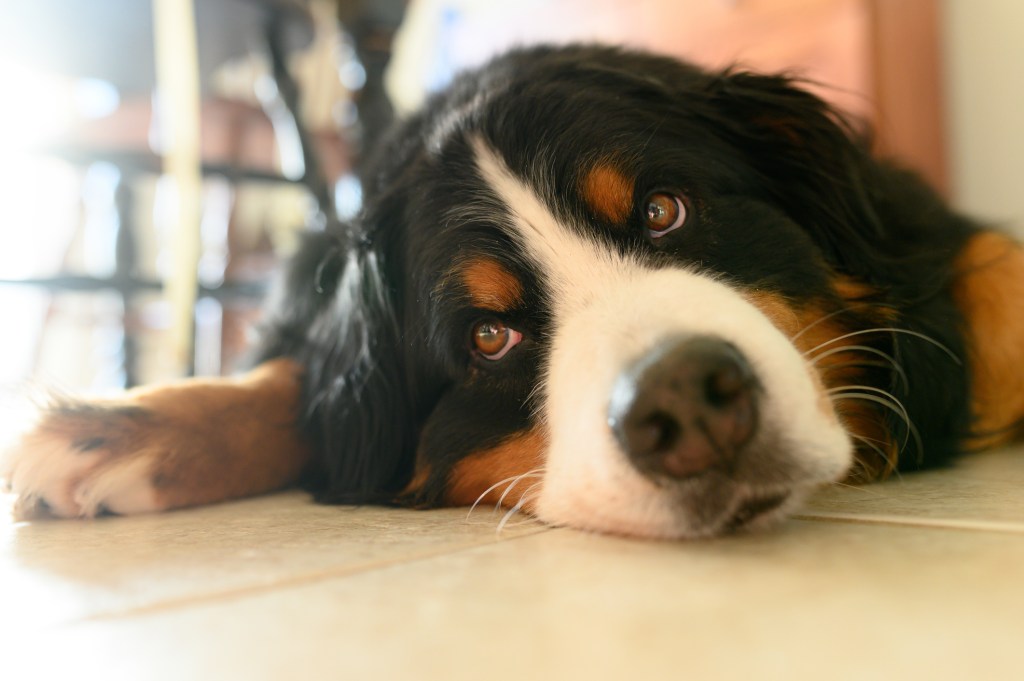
{"x": 197, "y": 441}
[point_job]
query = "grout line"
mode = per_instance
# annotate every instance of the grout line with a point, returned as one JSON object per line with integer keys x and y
{"x": 906, "y": 521}
{"x": 286, "y": 583}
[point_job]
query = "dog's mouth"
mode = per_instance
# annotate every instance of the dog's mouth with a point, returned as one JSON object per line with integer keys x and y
{"x": 753, "y": 510}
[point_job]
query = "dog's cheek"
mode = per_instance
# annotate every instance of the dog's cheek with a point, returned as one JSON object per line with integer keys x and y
{"x": 475, "y": 435}
{"x": 509, "y": 474}
{"x": 815, "y": 328}
{"x": 806, "y": 330}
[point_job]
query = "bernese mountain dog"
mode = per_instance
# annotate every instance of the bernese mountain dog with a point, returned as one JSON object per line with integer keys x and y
{"x": 611, "y": 290}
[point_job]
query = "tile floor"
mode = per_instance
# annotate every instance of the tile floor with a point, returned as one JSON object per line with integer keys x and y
{"x": 915, "y": 579}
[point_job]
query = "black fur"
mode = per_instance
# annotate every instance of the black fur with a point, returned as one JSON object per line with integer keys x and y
{"x": 786, "y": 193}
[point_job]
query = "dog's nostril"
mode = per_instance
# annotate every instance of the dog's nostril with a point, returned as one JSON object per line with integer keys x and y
{"x": 687, "y": 407}
{"x": 724, "y": 385}
{"x": 659, "y": 433}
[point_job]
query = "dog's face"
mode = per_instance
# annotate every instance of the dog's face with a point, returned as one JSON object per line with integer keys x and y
{"x": 656, "y": 395}
{"x": 609, "y": 289}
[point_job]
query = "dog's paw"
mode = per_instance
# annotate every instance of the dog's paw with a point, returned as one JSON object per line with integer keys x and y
{"x": 192, "y": 442}
{"x": 81, "y": 460}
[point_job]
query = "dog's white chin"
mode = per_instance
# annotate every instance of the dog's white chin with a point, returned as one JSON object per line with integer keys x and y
{"x": 656, "y": 517}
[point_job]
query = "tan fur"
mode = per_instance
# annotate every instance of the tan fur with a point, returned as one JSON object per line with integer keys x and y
{"x": 989, "y": 291}
{"x": 474, "y": 475}
{"x": 812, "y": 331}
{"x": 609, "y": 193}
{"x": 491, "y": 286}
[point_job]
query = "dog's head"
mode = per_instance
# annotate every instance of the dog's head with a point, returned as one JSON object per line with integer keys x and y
{"x": 606, "y": 287}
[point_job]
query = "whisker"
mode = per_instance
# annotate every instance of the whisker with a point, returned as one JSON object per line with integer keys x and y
{"x": 890, "y": 465}
{"x": 523, "y": 500}
{"x": 536, "y": 390}
{"x": 907, "y": 332}
{"x": 527, "y": 491}
{"x": 872, "y": 439}
{"x": 509, "y": 480}
{"x": 871, "y": 389}
{"x": 859, "y": 472}
{"x": 873, "y": 351}
{"x": 849, "y": 308}
{"x": 819, "y": 320}
{"x": 895, "y": 405}
{"x": 858, "y": 365}
{"x": 511, "y": 513}
{"x": 486, "y": 491}
{"x": 526, "y": 520}
{"x": 529, "y": 474}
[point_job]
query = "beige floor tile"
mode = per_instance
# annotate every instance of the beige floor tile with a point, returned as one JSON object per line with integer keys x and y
{"x": 812, "y": 601}
{"x": 280, "y": 588}
{"x": 56, "y": 571}
{"x": 981, "y": 490}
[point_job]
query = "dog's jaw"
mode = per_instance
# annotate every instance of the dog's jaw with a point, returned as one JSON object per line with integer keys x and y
{"x": 609, "y": 310}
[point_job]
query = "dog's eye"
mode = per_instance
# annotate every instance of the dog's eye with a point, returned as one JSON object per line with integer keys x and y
{"x": 663, "y": 213}
{"x": 493, "y": 339}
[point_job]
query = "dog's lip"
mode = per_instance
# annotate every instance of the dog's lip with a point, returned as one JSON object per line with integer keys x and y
{"x": 755, "y": 507}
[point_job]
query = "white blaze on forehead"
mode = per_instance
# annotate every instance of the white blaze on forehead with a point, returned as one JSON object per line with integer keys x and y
{"x": 609, "y": 309}
{"x": 575, "y": 269}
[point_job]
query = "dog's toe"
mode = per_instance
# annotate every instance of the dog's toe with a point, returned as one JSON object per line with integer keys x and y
{"x": 53, "y": 475}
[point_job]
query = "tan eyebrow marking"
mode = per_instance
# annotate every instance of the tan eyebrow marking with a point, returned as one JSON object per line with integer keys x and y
{"x": 608, "y": 192}
{"x": 491, "y": 285}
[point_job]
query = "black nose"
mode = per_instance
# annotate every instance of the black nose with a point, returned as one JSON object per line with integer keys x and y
{"x": 687, "y": 407}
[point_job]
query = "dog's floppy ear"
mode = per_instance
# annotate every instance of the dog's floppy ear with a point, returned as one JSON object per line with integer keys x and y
{"x": 813, "y": 161}
{"x": 336, "y": 314}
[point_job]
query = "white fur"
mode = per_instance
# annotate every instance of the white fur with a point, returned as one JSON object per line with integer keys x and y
{"x": 611, "y": 309}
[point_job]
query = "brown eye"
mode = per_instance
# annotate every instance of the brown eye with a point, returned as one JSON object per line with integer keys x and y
{"x": 663, "y": 213}
{"x": 493, "y": 339}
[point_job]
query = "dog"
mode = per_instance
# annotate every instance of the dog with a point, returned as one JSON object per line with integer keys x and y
{"x": 609, "y": 289}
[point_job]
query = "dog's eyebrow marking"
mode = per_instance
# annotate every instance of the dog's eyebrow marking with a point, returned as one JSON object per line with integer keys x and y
{"x": 490, "y": 285}
{"x": 608, "y": 192}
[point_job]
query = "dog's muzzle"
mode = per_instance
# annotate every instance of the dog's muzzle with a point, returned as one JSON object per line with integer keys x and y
{"x": 685, "y": 408}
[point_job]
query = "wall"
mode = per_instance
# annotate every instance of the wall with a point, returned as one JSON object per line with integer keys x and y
{"x": 985, "y": 98}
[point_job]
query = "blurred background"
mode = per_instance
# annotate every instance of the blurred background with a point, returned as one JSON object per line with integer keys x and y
{"x": 158, "y": 158}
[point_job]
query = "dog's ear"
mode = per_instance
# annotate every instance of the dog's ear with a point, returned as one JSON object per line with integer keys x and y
{"x": 812, "y": 160}
{"x": 336, "y": 313}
